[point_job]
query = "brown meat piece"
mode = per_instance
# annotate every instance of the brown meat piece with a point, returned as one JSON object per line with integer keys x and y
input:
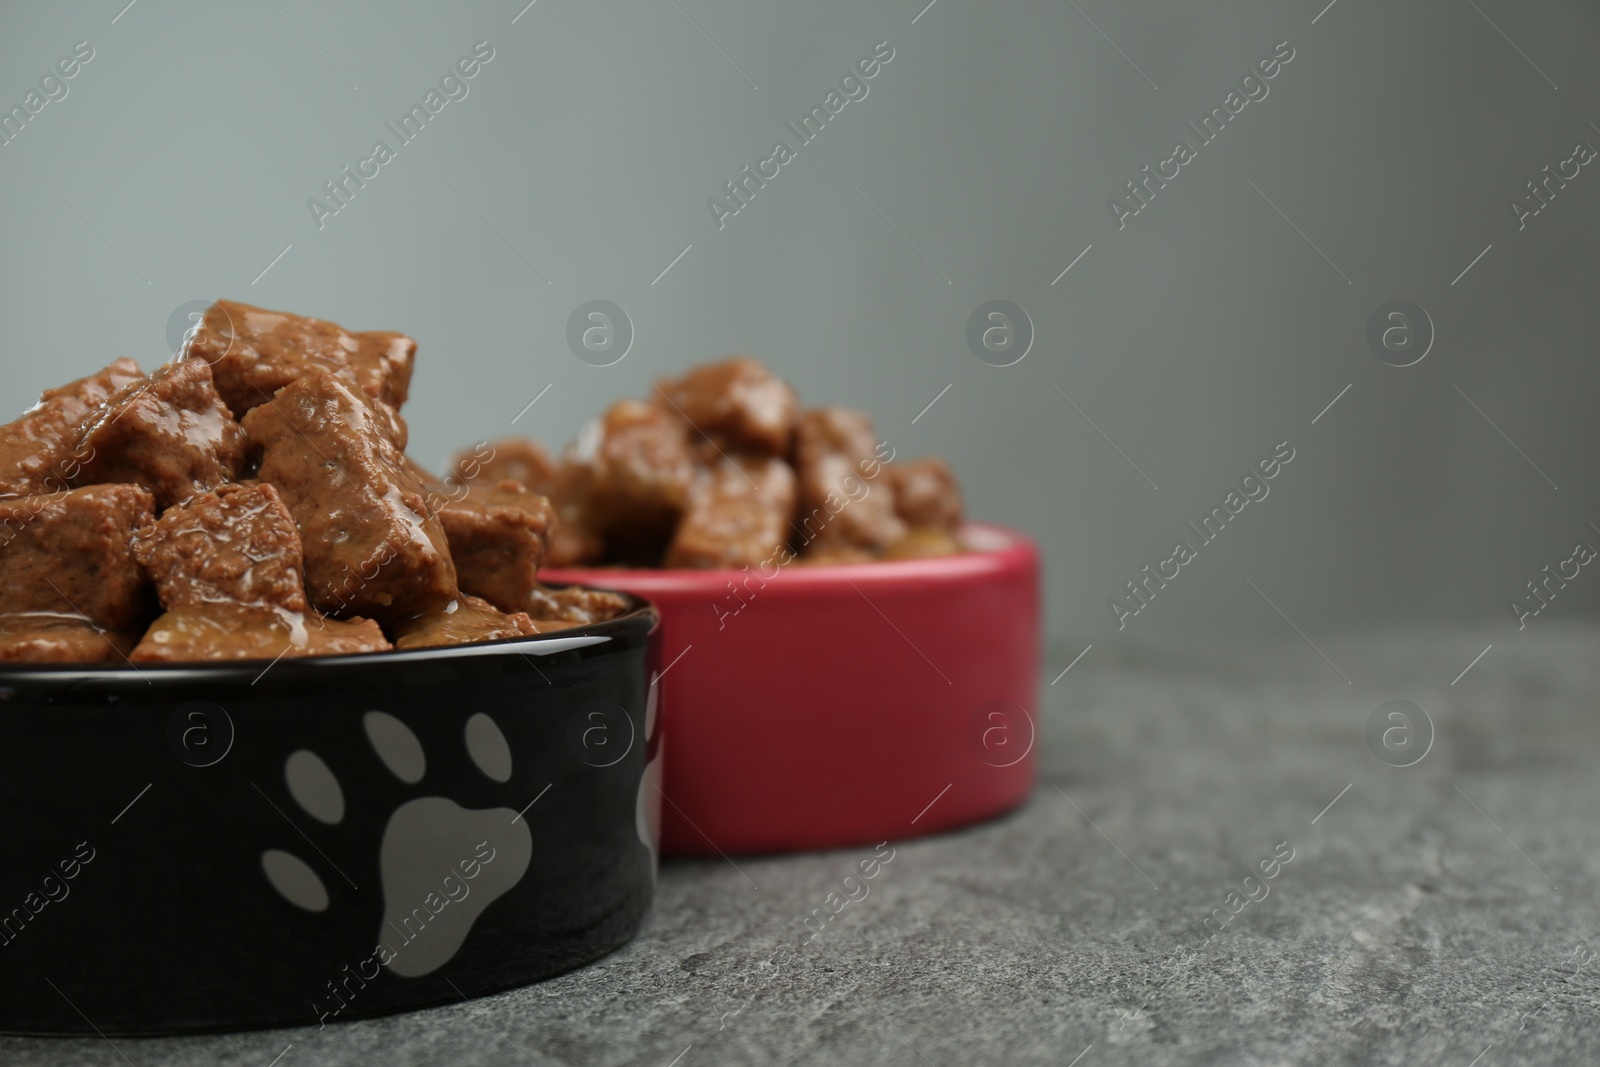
{"x": 711, "y": 449}
{"x": 70, "y": 554}
{"x": 232, "y": 631}
{"x": 372, "y": 547}
{"x": 497, "y": 535}
{"x": 43, "y": 638}
{"x": 435, "y": 492}
{"x": 227, "y": 567}
{"x": 36, "y": 451}
{"x": 927, "y": 542}
{"x": 515, "y": 458}
{"x": 462, "y": 622}
{"x": 237, "y": 545}
{"x": 170, "y": 433}
{"x": 254, "y": 352}
{"x": 926, "y": 494}
{"x": 844, "y": 500}
{"x": 572, "y": 542}
{"x": 739, "y": 515}
{"x": 574, "y": 605}
{"x": 390, "y": 424}
{"x": 826, "y": 553}
{"x": 627, "y": 480}
{"x": 572, "y": 546}
{"x": 738, "y": 398}
{"x": 550, "y": 626}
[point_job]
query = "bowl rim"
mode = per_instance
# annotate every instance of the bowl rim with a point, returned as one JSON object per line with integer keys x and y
{"x": 640, "y": 611}
{"x": 999, "y": 548}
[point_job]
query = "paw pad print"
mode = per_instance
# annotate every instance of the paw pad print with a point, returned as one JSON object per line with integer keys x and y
{"x": 441, "y": 864}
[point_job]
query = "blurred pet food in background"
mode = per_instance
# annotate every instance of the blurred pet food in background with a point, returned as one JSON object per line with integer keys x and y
{"x": 722, "y": 468}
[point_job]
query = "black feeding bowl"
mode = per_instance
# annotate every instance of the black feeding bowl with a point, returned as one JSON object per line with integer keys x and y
{"x": 239, "y": 845}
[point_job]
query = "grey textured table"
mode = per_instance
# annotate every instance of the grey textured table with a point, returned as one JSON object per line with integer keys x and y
{"x": 1431, "y": 915}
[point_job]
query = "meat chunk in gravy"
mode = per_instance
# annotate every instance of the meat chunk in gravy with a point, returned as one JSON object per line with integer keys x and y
{"x": 926, "y": 494}
{"x": 466, "y": 620}
{"x": 30, "y": 637}
{"x": 372, "y": 547}
{"x": 37, "y": 451}
{"x": 497, "y": 536}
{"x": 627, "y": 480}
{"x": 574, "y": 605}
{"x": 227, "y": 567}
{"x": 71, "y": 554}
{"x": 739, "y": 515}
{"x": 237, "y": 545}
{"x": 232, "y": 632}
{"x": 843, "y": 502}
{"x": 254, "y": 352}
{"x": 737, "y": 402}
{"x": 509, "y": 459}
{"x": 170, "y": 433}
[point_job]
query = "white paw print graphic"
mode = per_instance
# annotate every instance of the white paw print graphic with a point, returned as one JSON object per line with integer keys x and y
{"x": 441, "y": 864}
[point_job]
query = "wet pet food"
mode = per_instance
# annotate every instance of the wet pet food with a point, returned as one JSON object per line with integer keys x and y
{"x": 253, "y": 499}
{"x": 723, "y": 468}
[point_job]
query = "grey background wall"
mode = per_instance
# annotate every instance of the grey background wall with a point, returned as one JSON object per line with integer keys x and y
{"x": 1214, "y": 324}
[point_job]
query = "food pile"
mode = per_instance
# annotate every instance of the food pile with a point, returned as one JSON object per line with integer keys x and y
{"x": 252, "y": 500}
{"x": 722, "y": 468}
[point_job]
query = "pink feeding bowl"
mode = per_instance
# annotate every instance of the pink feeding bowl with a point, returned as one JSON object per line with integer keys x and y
{"x": 814, "y": 707}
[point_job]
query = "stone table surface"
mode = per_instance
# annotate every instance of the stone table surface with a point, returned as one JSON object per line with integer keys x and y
{"x": 1442, "y": 913}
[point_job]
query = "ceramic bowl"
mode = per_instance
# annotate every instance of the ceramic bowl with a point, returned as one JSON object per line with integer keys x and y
{"x": 826, "y": 706}
{"x": 220, "y": 846}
